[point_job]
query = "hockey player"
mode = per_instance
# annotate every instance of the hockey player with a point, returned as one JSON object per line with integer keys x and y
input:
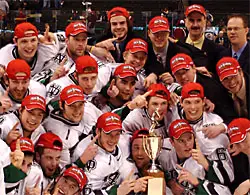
{"x": 85, "y": 76}
{"x": 15, "y": 175}
{"x": 238, "y": 131}
{"x": 26, "y": 121}
{"x": 102, "y": 156}
{"x": 197, "y": 174}
{"x": 26, "y": 46}
{"x": 157, "y": 108}
{"x": 69, "y": 121}
{"x": 16, "y": 84}
{"x": 71, "y": 182}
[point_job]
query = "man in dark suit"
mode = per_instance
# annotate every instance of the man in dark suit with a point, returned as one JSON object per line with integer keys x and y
{"x": 237, "y": 30}
{"x": 204, "y": 52}
{"x": 160, "y": 51}
{"x": 236, "y": 82}
{"x": 184, "y": 71}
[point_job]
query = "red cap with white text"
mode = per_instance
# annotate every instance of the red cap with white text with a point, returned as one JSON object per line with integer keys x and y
{"x": 33, "y": 101}
{"x": 74, "y": 28}
{"x": 195, "y": 8}
{"x": 158, "y": 23}
{"x": 181, "y": 61}
{"x": 86, "y": 65}
{"x": 18, "y": 70}
{"x": 26, "y": 145}
{"x": 178, "y": 127}
{"x": 25, "y": 30}
{"x": 159, "y": 90}
{"x": 72, "y": 94}
{"x": 238, "y": 129}
{"x": 136, "y": 45}
{"x": 109, "y": 122}
{"x": 50, "y": 140}
{"x": 118, "y": 11}
{"x": 191, "y": 90}
{"x": 125, "y": 70}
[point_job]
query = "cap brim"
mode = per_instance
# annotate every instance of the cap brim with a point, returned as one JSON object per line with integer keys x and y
{"x": 228, "y": 73}
{"x": 179, "y": 67}
{"x": 123, "y": 76}
{"x": 135, "y": 50}
{"x": 35, "y": 106}
{"x": 72, "y": 100}
{"x": 78, "y": 32}
{"x": 74, "y": 177}
{"x": 159, "y": 29}
{"x": 111, "y": 128}
{"x": 195, "y": 10}
{"x": 240, "y": 137}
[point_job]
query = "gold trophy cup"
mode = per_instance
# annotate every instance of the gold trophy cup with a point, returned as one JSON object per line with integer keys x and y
{"x": 152, "y": 145}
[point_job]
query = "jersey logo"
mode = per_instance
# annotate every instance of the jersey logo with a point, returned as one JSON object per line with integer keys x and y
{"x": 54, "y": 90}
{"x": 60, "y": 37}
{"x": 90, "y": 165}
{"x": 110, "y": 179}
{"x": 221, "y": 153}
{"x": 59, "y": 58}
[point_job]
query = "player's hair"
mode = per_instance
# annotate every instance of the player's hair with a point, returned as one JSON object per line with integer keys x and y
{"x": 27, "y": 153}
{"x": 243, "y": 17}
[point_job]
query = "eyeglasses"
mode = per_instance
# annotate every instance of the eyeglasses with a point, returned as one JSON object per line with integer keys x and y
{"x": 234, "y": 29}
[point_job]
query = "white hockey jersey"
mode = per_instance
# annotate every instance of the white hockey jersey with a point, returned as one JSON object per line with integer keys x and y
{"x": 139, "y": 118}
{"x": 33, "y": 88}
{"x": 104, "y": 170}
{"x": 168, "y": 161}
{"x": 39, "y": 63}
{"x": 7, "y": 121}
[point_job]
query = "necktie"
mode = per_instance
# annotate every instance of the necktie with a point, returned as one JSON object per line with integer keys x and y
{"x": 118, "y": 52}
{"x": 159, "y": 58}
{"x": 235, "y": 56}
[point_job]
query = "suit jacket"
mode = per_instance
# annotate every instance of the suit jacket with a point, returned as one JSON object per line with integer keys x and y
{"x": 243, "y": 60}
{"x": 153, "y": 66}
{"x": 217, "y": 94}
{"x": 207, "y": 56}
{"x": 247, "y": 80}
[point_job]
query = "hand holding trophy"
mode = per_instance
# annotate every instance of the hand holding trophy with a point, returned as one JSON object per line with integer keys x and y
{"x": 152, "y": 145}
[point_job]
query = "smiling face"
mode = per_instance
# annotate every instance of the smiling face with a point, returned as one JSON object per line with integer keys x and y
{"x": 31, "y": 119}
{"x": 193, "y": 108}
{"x": 108, "y": 141}
{"x": 139, "y": 155}
{"x": 119, "y": 27}
{"x": 159, "y": 39}
{"x": 137, "y": 59}
{"x": 18, "y": 88}
{"x": 67, "y": 186}
{"x": 184, "y": 145}
{"x": 184, "y": 76}
{"x": 27, "y": 47}
{"x": 233, "y": 83}
{"x": 73, "y": 112}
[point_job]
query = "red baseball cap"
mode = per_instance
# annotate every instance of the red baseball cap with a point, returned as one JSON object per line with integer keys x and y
{"x": 195, "y": 8}
{"x": 72, "y": 94}
{"x": 26, "y": 145}
{"x": 78, "y": 174}
{"x": 50, "y": 140}
{"x": 125, "y": 70}
{"x": 226, "y": 67}
{"x": 238, "y": 129}
{"x": 178, "y": 127}
{"x": 23, "y": 30}
{"x": 86, "y": 65}
{"x": 109, "y": 122}
{"x": 157, "y": 88}
{"x": 33, "y": 101}
{"x": 136, "y": 45}
{"x": 118, "y": 11}
{"x": 74, "y": 28}
{"x": 18, "y": 70}
{"x": 158, "y": 23}
{"x": 189, "y": 87}
{"x": 181, "y": 61}
{"x": 139, "y": 134}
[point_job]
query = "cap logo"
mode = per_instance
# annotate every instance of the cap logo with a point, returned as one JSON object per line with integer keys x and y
{"x": 231, "y": 129}
{"x": 112, "y": 119}
{"x": 179, "y": 125}
{"x": 225, "y": 65}
{"x": 128, "y": 68}
{"x": 79, "y": 25}
{"x": 139, "y": 43}
{"x": 73, "y": 90}
{"x": 78, "y": 171}
{"x": 25, "y": 142}
{"x": 29, "y": 34}
{"x": 37, "y": 98}
{"x": 160, "y": 22}
{"x": 194, "y": 7}
{"x": 177, "y": 60}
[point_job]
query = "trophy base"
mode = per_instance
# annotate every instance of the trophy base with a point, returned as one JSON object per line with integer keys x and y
{"x": 157, "y": 184}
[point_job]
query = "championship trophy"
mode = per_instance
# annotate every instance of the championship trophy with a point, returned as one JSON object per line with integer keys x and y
{"x": 152, "y": 145}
